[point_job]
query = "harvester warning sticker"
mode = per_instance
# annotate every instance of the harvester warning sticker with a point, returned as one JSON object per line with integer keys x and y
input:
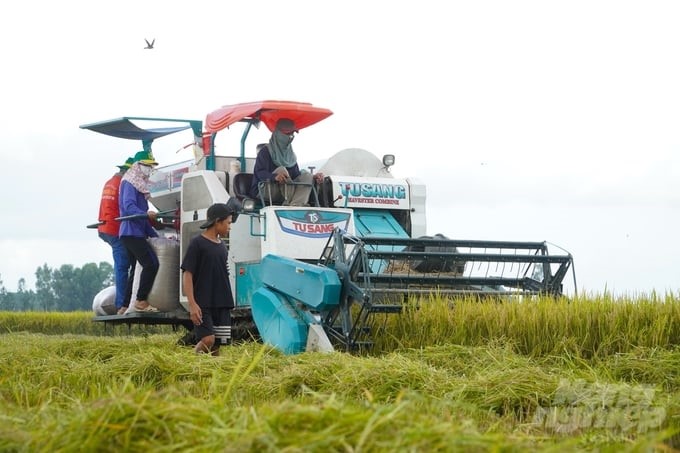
{"x": 312, "y": 223}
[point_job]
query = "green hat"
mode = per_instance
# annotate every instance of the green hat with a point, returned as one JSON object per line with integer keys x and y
{"x": 128, "y": 163}
{"x": 145, "y": 157}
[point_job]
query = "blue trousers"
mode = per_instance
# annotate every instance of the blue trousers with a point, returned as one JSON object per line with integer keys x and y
{"x": 123, "y": 269}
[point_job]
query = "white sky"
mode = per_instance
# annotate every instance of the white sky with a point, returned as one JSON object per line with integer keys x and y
{"x": 529, "y": 120}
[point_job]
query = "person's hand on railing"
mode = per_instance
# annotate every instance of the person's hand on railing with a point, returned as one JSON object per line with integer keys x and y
{"x": 281, "y": 175}
{"x": 280, "y": 178}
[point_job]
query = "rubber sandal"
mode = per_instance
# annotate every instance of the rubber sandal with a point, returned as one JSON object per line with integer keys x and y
{"x": 148, "y": 309}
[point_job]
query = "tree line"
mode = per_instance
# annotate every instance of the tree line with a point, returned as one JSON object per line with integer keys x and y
{"x": 68, "y": 288}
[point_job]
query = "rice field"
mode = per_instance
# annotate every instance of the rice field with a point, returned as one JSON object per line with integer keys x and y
{"x": 592, "y": 373}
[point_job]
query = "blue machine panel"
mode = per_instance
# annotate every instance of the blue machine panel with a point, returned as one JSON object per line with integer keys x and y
{"x": 376, "y": 223}
{"x": 315, "y": 286}
{"x": 380, "y": 224}
{"x": 248, "y": 280}
{"x": 278, "y": 323}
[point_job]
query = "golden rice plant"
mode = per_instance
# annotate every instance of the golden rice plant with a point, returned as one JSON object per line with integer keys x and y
{"x": 80, "y": 322}
{"x": 584, "y": 326}
{"x": 72, "y": 392}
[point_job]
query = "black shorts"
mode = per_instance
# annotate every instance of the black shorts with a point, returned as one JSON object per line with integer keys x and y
{"x": 212, "y": 317}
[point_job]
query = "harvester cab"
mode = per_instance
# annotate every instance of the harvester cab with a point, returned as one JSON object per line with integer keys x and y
{"x": 317, "y": 277}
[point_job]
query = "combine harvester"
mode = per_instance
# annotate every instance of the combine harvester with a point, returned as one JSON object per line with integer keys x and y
{"x": 314, "y": 278}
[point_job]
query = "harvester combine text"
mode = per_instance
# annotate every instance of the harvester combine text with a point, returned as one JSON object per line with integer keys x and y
{"x": 318, "y": 277}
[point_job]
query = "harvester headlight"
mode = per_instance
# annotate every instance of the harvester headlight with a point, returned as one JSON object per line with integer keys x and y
{"x": 388, "y": 160}
{"x": 248, "y": 205}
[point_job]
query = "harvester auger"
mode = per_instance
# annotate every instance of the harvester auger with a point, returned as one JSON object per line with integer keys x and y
{"x": 378, "y": 274}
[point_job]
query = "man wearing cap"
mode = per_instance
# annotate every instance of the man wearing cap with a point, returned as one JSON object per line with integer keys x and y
{"x": 277, "y": 168}
{"x": 133, "y": 196}
{"x": 205, "y": 279}
{"x": 108, "y": 230}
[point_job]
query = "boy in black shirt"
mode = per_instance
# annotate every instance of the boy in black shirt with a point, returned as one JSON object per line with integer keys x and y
{"x": 205, "y": 280}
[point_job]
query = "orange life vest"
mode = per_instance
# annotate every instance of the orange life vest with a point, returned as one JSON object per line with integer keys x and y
{"x": 108, "y": 206}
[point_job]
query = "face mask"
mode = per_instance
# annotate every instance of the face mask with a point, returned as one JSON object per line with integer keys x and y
{"x": 283, "y": 140}
{"x": 146, "y": 170}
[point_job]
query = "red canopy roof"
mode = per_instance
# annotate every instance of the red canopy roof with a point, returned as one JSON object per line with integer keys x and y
{"x": 302, "y": 113}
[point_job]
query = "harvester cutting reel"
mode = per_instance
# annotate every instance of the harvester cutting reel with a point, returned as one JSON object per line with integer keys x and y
{"x": 379, "y": 274}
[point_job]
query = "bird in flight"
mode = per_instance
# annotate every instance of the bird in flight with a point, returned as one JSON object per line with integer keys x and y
{"x": 149, "y": 45}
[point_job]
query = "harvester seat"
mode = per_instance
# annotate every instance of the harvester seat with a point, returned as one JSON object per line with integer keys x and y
{"x": 242, "y": 182}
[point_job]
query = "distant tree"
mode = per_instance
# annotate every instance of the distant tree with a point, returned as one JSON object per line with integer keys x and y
{"x": 4, "y": 299}
{"x": 92, "y": 279}
{"x": 24, "y": 300}
{"x": 8, "y": 302}
{"x": 43, "y": 288}
{"x": 65, "y": 288}
{"x": 74, "y": 288}
{"x": 106, "y": 272}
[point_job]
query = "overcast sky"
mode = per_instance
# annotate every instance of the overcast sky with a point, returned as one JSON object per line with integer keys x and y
{"x": 528, "y": 120}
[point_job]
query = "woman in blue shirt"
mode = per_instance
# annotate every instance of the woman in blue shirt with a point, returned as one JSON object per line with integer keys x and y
{"x": 133, "y": 196}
